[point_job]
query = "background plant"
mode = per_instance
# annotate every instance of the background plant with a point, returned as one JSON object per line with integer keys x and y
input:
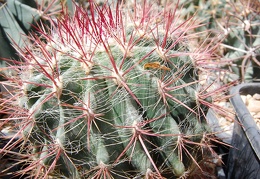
{"x": 239, "y": 22}
{"x": 19, "y": 18}
{"x": 242, "y": 42}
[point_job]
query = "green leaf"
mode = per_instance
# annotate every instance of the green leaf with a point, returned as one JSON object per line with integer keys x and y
{"x": 11, "y": 27}
{"x": 25, "y": 14}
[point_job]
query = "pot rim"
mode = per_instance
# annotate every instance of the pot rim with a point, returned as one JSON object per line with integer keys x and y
{"x": 243, "y": 115}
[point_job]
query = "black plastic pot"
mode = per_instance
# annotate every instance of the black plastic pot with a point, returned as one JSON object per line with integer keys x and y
{"x": 244, "y": 156}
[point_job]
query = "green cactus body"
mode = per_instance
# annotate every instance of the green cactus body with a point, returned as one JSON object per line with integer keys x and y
{"x": 112, "y": 94}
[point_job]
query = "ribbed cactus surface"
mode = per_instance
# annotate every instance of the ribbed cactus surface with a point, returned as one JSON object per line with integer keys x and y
{"x": 111, "y": 92}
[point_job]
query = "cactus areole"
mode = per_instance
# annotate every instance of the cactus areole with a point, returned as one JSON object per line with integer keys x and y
{"x": 111, "y": 93}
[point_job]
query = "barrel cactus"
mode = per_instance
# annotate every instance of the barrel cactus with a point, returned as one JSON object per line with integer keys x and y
{"x": 241, "y": 46}
{"x": 239, "y": 22}
{"x": 113, "y": 92}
